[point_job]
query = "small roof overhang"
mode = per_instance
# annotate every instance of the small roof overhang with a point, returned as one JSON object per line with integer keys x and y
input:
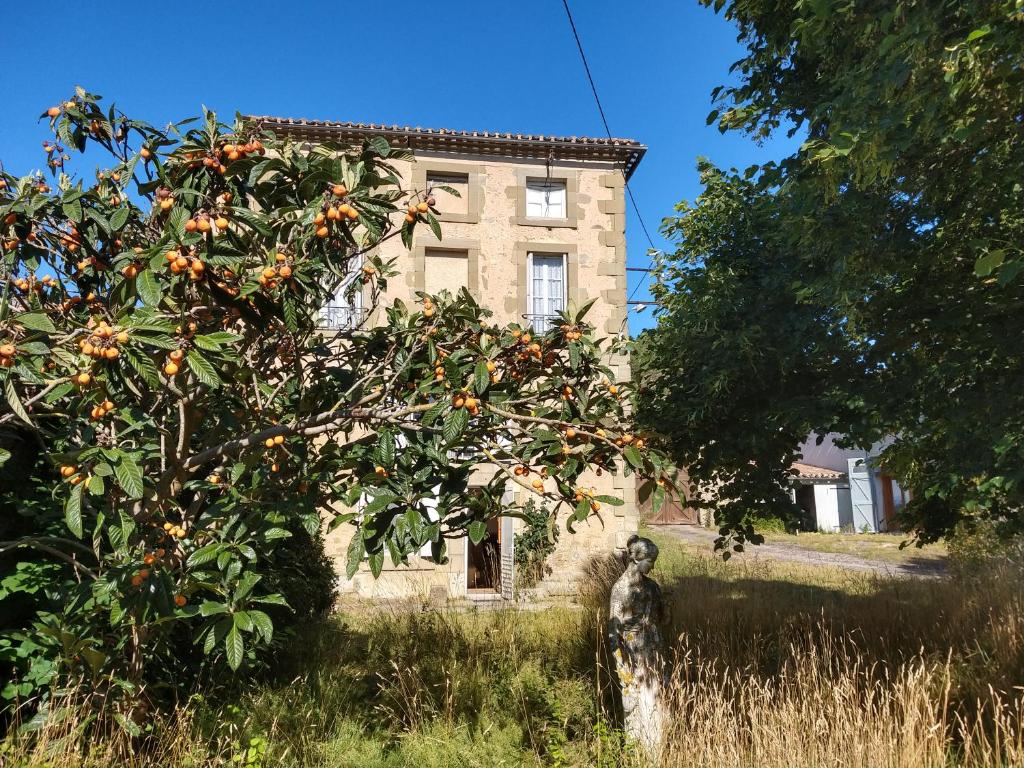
{"x": 809, "y": 472}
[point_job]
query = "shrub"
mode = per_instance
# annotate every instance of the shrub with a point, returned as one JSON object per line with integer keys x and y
{"x": 533, "y": 544}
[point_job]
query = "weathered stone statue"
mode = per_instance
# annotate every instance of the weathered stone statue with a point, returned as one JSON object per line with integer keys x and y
{"x": 636, "y": 609}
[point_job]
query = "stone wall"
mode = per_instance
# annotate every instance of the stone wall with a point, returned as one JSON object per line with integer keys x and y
{"x": 490, "y": 225}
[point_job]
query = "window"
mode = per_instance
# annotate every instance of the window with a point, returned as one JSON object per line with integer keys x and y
{"x": 447, "y": 203}
{"x": 545, "y": 199}
{"x": 465, "y": 178}
{"x": 546, "y": 289}
{"x": 445, "y": 269}
{"x": 429, "y": 504}
{"x": 345, "y": 309}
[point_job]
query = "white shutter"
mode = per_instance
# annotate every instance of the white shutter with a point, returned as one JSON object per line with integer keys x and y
{"x": 429, "y": 503}
{"x": 508, "y": 551}
{"x": 545, "y": 199}
{"x": 546, "y": 290}
{"x": 861, "y": 497}
{"x": 534, "y": 201}
{"x": 342, "y": 311}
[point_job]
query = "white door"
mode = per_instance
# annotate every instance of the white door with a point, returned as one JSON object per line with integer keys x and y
{"x": 546, "y": 292}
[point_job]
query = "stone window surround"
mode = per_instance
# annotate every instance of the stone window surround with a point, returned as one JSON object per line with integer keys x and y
{"x": 418, "y": 278}
{"x": 521, "y": 251}
{"x": 573, "y": 214}
{"x": 474, "y": 187}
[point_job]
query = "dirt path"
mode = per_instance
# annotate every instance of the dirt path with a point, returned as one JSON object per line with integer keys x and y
{"x": 705, "y": 539}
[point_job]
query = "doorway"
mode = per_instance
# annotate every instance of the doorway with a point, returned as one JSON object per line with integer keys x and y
{"x": 804, "y": 498}
{"x": 483, "y": 560}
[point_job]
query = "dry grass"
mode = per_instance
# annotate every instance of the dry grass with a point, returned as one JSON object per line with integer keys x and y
{"x": 773, "y": 665}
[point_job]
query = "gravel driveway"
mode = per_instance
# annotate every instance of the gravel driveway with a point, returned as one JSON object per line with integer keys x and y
{"x": 788, "y": 553}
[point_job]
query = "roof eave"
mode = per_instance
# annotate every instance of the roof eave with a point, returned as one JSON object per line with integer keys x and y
{"x": 627, "y": 153}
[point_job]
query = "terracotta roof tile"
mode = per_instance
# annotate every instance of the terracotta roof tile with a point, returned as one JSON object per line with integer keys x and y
{"x": 811, "y": 472}
{"x": 626, "y": 151}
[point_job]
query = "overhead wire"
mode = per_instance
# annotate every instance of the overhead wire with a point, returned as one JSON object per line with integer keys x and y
{"x": 608, "y": 132}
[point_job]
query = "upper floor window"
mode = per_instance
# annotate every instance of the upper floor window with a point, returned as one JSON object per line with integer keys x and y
{"x": 450, "y": 204}
{"x": 458, "y": 188}
{"x": 545, "y": 199}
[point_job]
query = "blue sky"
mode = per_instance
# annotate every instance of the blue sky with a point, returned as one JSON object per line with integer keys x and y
{"x": 449, "y": 63}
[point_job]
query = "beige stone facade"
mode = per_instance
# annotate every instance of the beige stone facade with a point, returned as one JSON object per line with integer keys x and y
{"x": 487, "y": 240}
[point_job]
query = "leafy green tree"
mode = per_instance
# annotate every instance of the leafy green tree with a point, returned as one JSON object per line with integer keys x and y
{"x": 163, "y": 361}
{"x": 868, "y": 284}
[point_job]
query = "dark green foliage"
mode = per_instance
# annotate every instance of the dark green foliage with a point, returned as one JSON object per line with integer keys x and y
{"x": 869, "y": 284}
{"x": 534, "y": 543}
{"x": 301, "y": 572}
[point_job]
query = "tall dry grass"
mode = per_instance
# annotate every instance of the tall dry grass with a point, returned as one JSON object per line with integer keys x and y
{"x": 771, "y": 665}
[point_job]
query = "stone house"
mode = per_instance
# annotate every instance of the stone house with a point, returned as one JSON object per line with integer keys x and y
{"x": 539, "y": 225}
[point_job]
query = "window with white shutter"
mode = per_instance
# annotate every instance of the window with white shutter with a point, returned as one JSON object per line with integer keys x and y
{"x": 345, "y": 309}
{"x": 546, "y": 291}
{"x": 545, "y": 199}
{"x": 429, "y": 504}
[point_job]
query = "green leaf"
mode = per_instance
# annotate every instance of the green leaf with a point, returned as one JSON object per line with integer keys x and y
{"x": 148, "y": 288}
{"x": 203, "y": 370}
{"x": 37, "y": 321}
{"x": 73, "y": 510}
{"x": 129, "y": 476}
{"x": 262, "y": 623}
{"x": 481, "y": 377}
{"x": 144, "y": 367}
{"x": 435, "y": 225}
{"x": 376, "y": 562}
{"x": 356, "y": 550}
{"x": 246, "y": 584}
{"x": 574, "y": 355}
{"x": 95, "y": 485}
{"x": 15, "y": 402}
{"x": 384, "y": 453}
{"x": 614, "y": 501}
{"x": 455, "y": 424}
{"x": 204, "y": 554}
{"x": 582, "y": 510}
{"x": 380, "y": 501}
{"x": 213, "y": 342}
{"x": 210, "y": 608}
{"x": 477, "y": 531}
{"x": 633, "y": 456}
{"x": 119, "y": 218}
{"x": 657, "y": 499}
{"x": 73, "y": 210}
{"x": 235, "y": 647}
{"x": 987, "y": 263}
{"x": 980, "y": 32}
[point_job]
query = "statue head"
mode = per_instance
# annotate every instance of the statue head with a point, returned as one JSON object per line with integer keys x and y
{"x": 643, "y": 552}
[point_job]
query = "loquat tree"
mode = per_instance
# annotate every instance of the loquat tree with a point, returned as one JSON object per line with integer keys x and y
{"x": 174, "y": 411}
